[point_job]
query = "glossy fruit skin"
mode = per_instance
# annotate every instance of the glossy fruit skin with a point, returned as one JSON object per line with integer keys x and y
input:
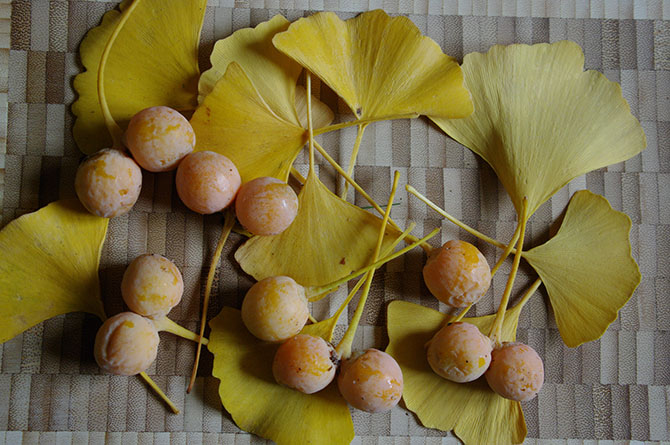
{"x": 459, "y": 352}
{"x": 371, "y": 381}
{"x": 152, "y": 285}
{"x": 457, "y": 274}
{"x": 516, "y": 372}
{"x": 207, "y": 182}
{"x": 108, "y": 183}
{"x": 266, "y": 206}
{"x": 305, "y": 363}
{"x": 126, "y": 344}
{"x": 159, "y": 138}
{"x": 275, "y": 309}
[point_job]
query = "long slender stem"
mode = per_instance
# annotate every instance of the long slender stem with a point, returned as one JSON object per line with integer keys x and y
{"x": 342, "y": 125}
{"x": 167, "y": 325}
{"x": 313, "y": 291}
{"x": 460, "y": 224}
{"x": 427, "y": 248}
{"x": 352, "y": 159}
{"x": 344, "y": 347}
{"x": 296, "y": 174}
{"x": 310, "y": 129}
{"x": 496, "y": 329}
{"x": 113, "y": 128}
{"x": 159, "y": 392}
{"x": 529, "y": 293}
{"x": 501, "y": 260}
{"x": 225, "y": 232}
{"x": 385, "y": 253}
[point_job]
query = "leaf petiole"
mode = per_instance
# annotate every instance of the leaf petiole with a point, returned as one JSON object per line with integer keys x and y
{"x": 149, "y": 381}
{"x": 342, "y": 125}
{"x": 460, "y": 224}
{"x": 496, "y": 328}
{"x": 344, "y": 347}
{"x": 314, "y": 291}
{"x": 225, "y": 232}
{"x": 167, "y": 325}
{"x": 352, "y": 159}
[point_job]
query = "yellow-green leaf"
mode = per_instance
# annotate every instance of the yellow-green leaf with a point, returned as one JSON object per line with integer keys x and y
{"x": 473, "y": 411}
{"x": 587, "y": 268}
{"x": 258, "y": 404}
{"x": 380, "y": 66}
{"x": 153, "y": 61}
{"x": 49, "y": 266}
{"x": 329, "y": 239}
{"x": 540, "y": 120}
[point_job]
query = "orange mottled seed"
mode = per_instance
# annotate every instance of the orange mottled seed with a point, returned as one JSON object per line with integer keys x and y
{"x": 152, "y": 285}
{"x": 108, "y": 183}
{"x": 457, "y": 274}
{"x": 266, "y": 206}
{"x": 126, "y": 344}
{"x": 305, "y": 363}
{"x": 207, "y": 182}
{"x": 459, "y": 352}
{"x": 159, "y": 138}
{"x": 516, "y": 372}
{"x": 371, "y": 381}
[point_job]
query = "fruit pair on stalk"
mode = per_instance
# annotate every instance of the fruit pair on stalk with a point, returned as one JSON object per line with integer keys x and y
{"x": 458, "y": 275}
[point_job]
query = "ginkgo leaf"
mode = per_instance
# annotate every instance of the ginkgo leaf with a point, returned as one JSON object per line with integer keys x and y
{"x": 380, "y": 66}
{"x": 473, "y": 411}
{"x": 587, "y": 268}
{"x": 250, "y": 107}
{"x": 329, "y": 239}
{"x": 272, "y": 73}
{"x": 261, "y": 406}
{"x": 540, "y": 120}
{"x": 49, "y": 266}
{"x": 235, "y": 121}
{"x": 153, "y": 61}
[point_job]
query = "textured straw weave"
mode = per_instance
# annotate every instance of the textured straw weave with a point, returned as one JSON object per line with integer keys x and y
{"x": 617, "y": 388}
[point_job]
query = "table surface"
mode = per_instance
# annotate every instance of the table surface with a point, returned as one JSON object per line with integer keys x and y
{"x": 617, "y": 388}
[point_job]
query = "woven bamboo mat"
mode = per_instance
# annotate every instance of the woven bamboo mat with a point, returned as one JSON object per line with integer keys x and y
{"x": 617, "y": 388}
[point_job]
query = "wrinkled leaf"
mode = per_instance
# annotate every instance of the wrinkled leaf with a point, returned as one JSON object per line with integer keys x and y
{"x": 258, "y": 404}
{"x": 49, "y": 266}
{"x": 587, "y": 268}
{"x": 380, "y": 66}
{"x": 473, "y": 411}
{"x": 329, "y": 239}
{"x": 154, "y": 61}
{"x": 540, "y": 120}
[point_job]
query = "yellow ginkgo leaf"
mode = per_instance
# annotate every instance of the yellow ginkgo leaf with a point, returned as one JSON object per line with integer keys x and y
{"x": 235, "y": 121}
{"x": 261, "y": 406}
{"x": 49, "y": 266}
{"x": 381, "y": 66}
{"x": 587, "y": 268}
{"x": 153, "y": 61}
{"x": 329, "y": 239}
{"x": 272, "y": 73}
{"x": 250, "y": 107}
{"x": 473, "y": 411}
{"x": 540, "y": 120}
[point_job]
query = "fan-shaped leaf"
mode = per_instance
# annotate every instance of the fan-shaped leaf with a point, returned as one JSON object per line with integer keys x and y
{"x": 154, "y": 61}
{"x": 540, "y": 120}
{"x": 49, "y": 266}
{"x": 587, "y": 268}
{"x": 475, "y": 413}
{"x": 380, "y": 66}
{"x": 329, "y": 239}
{"x": 260, "y": 405}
